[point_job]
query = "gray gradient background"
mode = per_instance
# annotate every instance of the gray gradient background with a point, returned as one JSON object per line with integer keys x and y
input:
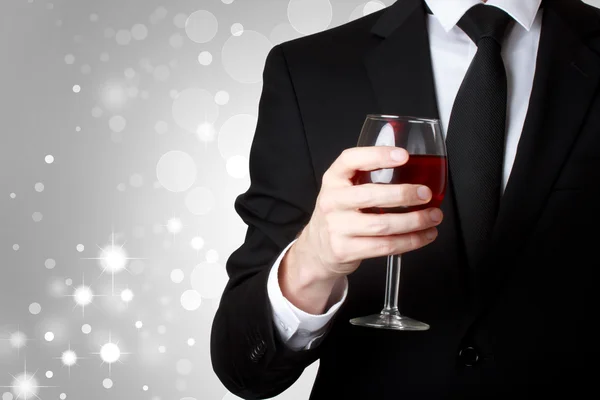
{"x": 131, "y": 179}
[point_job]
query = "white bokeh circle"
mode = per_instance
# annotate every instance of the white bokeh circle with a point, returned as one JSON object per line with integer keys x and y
{"x": 97, "y": 112}
{"x": 117, "y": 123}
{"x": 238, "y": 167}
{"x": 123, "y": 37}
{"x": 201, "y": 26}
{"x": 110, "y": 353}
{"x": 161, "y": 127}
{"x": 373, "y": 6}
{"x": 237, "y": 29}
{"x": 136, "y": 180}
{"x": 35, "y": 308}
{"x": 200, "y": 201}
{"x": 244, "y": 56}
{"x": 177, "y": 275}
{"x": 114, "y": 95}
{"x": 206, "y": 132}
{"x": 191, "y": 300}
{"x": 205, "y": 58}
{"x": 365, "y": 9}
{"x": 236, "y": 134}
{"x": 212, "y": 256}
{"x": 310, "y": 16}
{"x": 209, "y": 279}
{"x": 139, "y": 32}
{"x": 179, "y": 20}
{"x": 129, "y": 73}
{"x": 176, "y": 171}
{"x": 197, "y": 243}
{"x": 184, "y": 366}
{"x": 222, "y": 97}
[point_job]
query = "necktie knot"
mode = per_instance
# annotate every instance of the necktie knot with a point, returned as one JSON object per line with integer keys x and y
{"x": 482, "y": 21}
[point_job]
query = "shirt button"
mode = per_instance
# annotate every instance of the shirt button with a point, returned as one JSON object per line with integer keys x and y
{"x": 303, "y": 332}
{"x": 284, "y": 326}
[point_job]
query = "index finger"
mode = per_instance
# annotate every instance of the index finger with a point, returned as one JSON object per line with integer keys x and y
{"x": 367, "y": 158}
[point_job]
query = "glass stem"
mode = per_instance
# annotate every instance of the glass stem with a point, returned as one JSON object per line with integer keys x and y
{"x": 392, "y": 284}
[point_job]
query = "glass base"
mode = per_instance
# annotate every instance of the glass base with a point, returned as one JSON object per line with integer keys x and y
{"x": 390, "y": 321}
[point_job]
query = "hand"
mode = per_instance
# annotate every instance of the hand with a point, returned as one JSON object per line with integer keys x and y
{"x": 339, "y": 236}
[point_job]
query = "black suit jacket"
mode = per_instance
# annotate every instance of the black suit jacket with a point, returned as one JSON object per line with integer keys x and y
{"x": 523, "y": 322}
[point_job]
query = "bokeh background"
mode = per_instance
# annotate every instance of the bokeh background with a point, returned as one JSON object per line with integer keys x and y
{"x": 125, "y": 132}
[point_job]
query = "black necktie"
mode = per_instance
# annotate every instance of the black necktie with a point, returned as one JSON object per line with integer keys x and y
{"x": 476, "y": 132}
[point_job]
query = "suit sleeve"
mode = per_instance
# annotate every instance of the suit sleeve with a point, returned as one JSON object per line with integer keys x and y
{"x": 247, "y": 354}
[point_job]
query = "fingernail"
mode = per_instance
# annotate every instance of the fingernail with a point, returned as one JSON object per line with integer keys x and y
{"x": 435, "y": 215}
{"x": 431, "y": 234}
{"x": 423, "y": 192}
{"x": 398, "y": 155}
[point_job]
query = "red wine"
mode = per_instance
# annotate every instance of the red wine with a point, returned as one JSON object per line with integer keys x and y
{"x": 426, "y": 170}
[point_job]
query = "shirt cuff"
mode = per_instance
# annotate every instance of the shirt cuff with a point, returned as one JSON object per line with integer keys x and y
{"x": 288, "y": 318}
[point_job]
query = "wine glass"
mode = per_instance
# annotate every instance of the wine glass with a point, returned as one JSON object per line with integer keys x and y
{"x": 427, "y": 165}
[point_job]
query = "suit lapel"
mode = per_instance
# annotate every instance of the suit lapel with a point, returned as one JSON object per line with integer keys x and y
{"x": 566, "y": 79}
{"x": 399, "y": 66}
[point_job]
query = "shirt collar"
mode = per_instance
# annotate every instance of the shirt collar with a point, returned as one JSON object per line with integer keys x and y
{"x": 449, "y": 12}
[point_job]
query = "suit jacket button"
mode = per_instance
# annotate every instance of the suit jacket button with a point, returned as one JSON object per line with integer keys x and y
{"x": 256, "y": 354}
{"x": 468, "y": 356}
{"x": 261, "y": 347}
{"x": 261, "y": 344}
{"x": 253, "y": 356}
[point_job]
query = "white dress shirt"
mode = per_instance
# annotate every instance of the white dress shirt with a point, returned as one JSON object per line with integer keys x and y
{"x": 451, "y": 54}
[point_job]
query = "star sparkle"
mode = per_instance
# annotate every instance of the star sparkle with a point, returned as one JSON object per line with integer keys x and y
{"x": 113, "y": 259}
{"x": 110, "y": 353}
{"x": 25, "y": 385}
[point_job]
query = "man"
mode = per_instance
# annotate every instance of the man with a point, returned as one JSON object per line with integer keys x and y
{"x": 519, "y": 321}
